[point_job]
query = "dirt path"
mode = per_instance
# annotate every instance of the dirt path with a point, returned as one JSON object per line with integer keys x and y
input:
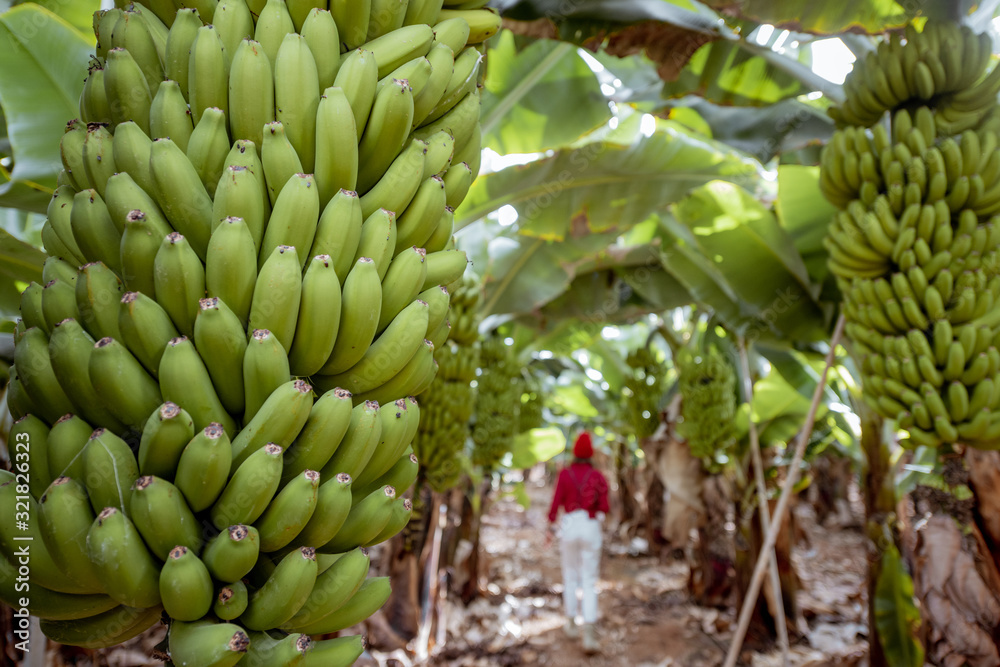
{"x": 646, "y": 617}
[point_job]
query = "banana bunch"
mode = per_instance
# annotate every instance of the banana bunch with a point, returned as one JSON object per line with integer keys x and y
{"x": 464, "y": 313}
{"x": 707, "y": 384}
{"x": 941, "y": 66}
{"x": 498, "y": 400}
{"x": 916, "y": 244}
{"x": 530, "y": 413}
{"x": 249, "y": 248}
{"x": 644, "y": 390}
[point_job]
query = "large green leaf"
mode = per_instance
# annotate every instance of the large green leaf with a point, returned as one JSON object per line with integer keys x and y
{"x": 78, "y": 13}
{"x": 805, "y": 214}
{"x": 734, "y": 258}
{"x": 896, "y": 616}
{"x": 43, "y": 63}
{"x": 537, "y": 446}
{"x": 604, "y": 185}
{"x": 544, "y": 96}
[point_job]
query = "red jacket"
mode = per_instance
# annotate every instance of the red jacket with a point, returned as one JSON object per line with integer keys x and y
{"x": 580, "y": 486}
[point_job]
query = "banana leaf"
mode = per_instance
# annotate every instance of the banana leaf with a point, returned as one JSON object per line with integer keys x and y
{"x": 896, "y": 616}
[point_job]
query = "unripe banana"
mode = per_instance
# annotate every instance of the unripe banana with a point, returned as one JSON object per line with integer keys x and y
{"x": 365, "y": 521}
{"x": 440, "y": 149}
{"x": 352, "y": 19}
{"x": 289, "y": 511}
{"x": 265, "y": 368}
{"x": 293, "y": 220}
{"x": 181, "y": 195}
{"x": 339, "y": 231}
{"x": 278, "y": 421}
{"x": 209, "y": 147}
{"x": 318, "y": 318}
{"x": 140, "y": 243}
{"x": 463, "y": 81}
{"x": 234, "y": 23}
{"x": 231, "y": 554}
{"x": 401, "y": 45}
{"x": 123, "y": 196}
{"x": 94, "y": 231}
{"x": 336, "y": 651}
{"x": 422, "y": 11}
{"x": 395, "y": 189}
{"x": 246, "y": 153}
{"x": 230, "y": 266}
{"x": 273, "y": 23}
{"x": 125, "y": 83}
{"x": 399, "y": 425}
{"x": 169, "y": 116}
{"x": 163, "y": 518}
{"x": 31, "y": 307}
{"x": 366, "y": 601}
{"x": 121, "y": 383}
{"x": 402, "y": 510}
{"x": 333, "y": 504}
{"x": 336, "y": 145}
{"x": 386, "y": 132}
{"x": 208, "y": 73}
{"x": 442, "y": 60}
{"x": 65, "y": 517}
{"x": 251, "y": 100}
{"x": 184, "y": 380}
{"x": 249, "y": 490}
{"x": 358, "y": 78}
{"x": 378, "y": 239}
{"x": 221, "y": 342}
{"x": 131, "y": 151}
{"x": 279, "y": 159}
{"x": 207, "y": 643}
{"x": 333, "y": 588}
{"x": 59, "y": 303}
{"x": 185, "y": 585}
{"x": 320, "y": 32}
{"x": 402, "y": 284}
{"x": 296, "y": 95}
{"x": 71, "y": 153}
{"x": 98, "y": 156}
{"x": 415, "y": 377}
{"x": 277, "y": 295}
{"x": 284, "y": 592}
{"x": 145, "y": 329}
{"x": 483, "y": 23}
{"x": 66, "y": 441}
{"x": 109, "y": 471}
{"x": 266, "y": 650}
{"x": 94, "y": 106}
{"x": 59, "y": 217}
{"x": 358, "y": 316}
{"x": 359, "y": 442}
{"x": 444, "y": 267}
{"x": 182, "y": 34}
{"x": 461, "y": 122}
{"x": 98, "y": 291}
{"x": 164, "y": 436}
{"x": 457, "y": 181}
{"x": 125, "y": 567}
{"x": 105, "y": 629}
{"x": 179, "y": 280}
{"x": 27, "y": 449}
{"x": 322, "y": 433}
{"x": 231, "y": 601}
{"x": 203, "y": 468}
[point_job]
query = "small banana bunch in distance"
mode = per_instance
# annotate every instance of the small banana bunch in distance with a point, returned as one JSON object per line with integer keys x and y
{"x": 447, "y": 406}
{"x": 645, "y": 390}
{"x": 249, "y": 250}
{"x": 914, "y": 246}
{"x": 498, "y": 402}
{"x": 707, "y": 384}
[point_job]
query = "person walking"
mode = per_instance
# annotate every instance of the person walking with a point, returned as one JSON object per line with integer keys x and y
{"x": 582, "y": 493}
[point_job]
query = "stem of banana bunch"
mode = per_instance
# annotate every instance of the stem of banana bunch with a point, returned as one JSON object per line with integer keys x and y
{"x": 782, "y": 507}
{"x": 439, "y": 510}
{"x": 764, "y": 505}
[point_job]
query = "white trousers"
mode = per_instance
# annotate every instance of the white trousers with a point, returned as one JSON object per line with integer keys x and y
{"x": 581, "y": 556}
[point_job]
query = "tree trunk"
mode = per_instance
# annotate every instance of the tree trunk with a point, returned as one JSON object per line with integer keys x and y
{"x": 711, "y": 558}
{"x": 476, "y": 563}
{"x": 402, "y": 561}
{"x": 880, "y": 506}
{"x": 954, "y": 561}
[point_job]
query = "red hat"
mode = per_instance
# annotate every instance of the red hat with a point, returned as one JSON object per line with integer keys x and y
{"x": 582, "y": 449}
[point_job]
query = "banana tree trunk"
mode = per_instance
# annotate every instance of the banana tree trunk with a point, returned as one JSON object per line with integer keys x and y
{"x": 711, "y": 560}
{"x": 880, "y": 504}
{"x": 955, "y": 561}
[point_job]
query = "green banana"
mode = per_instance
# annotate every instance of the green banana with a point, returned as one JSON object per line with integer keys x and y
{"x": 251, "y": 102}
{"x": 358, "y": 316}
{"x": 230, "y": 555}
{"x": 230, "y": 266}
{"x": 59, "y": 303}
{"x": 352, "y": 17}
{"x": 65, "y": 442}
{"x": 221, "y": 342}
{"x": 318, "y": 318}
{"x": 336, "y": 145}
{"x": 94, "y": 106}
{"x": 401, "y": 284}
{"x": 164, "y": 436}
{"x": 296, "y": 95}
{"x": 242, "y": 195}
{"x": 179, "y": 281}
{"x": 98, "y": 291}
{"x": 333, "y": 504}
{"x": 125, "y": 83}
{"x": 245, "y": 153}
{"x": 125, "y": 567}
{"x": 277, "y": 295}
{"x": 378, "y": 239}
{"x": 278, "y": 421}
{"x": 273, "y": 23}
{"x": 206, "y": 643}
{"x": 109, "y": 471}
{"x": 422, "y": 11}
{"x": 385, "y": 134}
{"x": 94, "y": 230}
{"x": 265, "y": 368}
{"x": 444, "y": 267}
{"x": 370, "y": 596}
{"x": 54, "y": 268}
{"x": 400, "y": 476}
{"x": 163, "y": 518}
{"x": 177, "y": 56}
{"x": 359, "y": 442}
{"x": 284, "y": 592}
{"x": 398, "y": 185}
{"x": 169, "y": 116}
{"x": 234, "y": 23}
{"x": 279, "y": 159}
{"x": 231, "y": 601}
{"x": 71, "y": 154}
{"x": 121, "y": 383}
{"x": 105, "y": 629}
{"x": 131, "y": 152}
{"x": 249, "y": 490}
{"x": 181, "y": 195}
{"x": 399, "y": 45}
{"x": 339, "y": 231}
{"x": 365, "y": 521}
{"x": 453, "y": 32}
{"x": 59, "y": 216}
{"x": 185, "y": 380}
{"x": 209, "y": 147}
{"x": 266, "y": 650}
{"x": 457, "y": 181}
{"x": 293, "y": 220}
{"x": 140, "y": 243}
{"x": 31, "y": 307}
{"x": 53, "y": 245}
{"x": 399, "y": 425}
{"x": 208, "y": 73}
{"x": 388, "y": 354}
{"x": 332, "y": 589}
{"x": 335, "y": 652}
{"x": 203, "y": 467}
{"x": 402, "y": 510}
{"x": 463, "y": 81}
{"x": 48, "y": 604}
{"x": 320, "y": 31}
{"x": 289, "y": 511}
{"x": 145, "y": 329}
{"x": 440, "y": 149}
{"x": 185, "y": 585}
{"x": 65, "y": 517}
{"x": 358, "y": 78}
{"x": 323, "y": 432}
{"x": 123, "y": 195}
{"x": 442, "y": 60}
